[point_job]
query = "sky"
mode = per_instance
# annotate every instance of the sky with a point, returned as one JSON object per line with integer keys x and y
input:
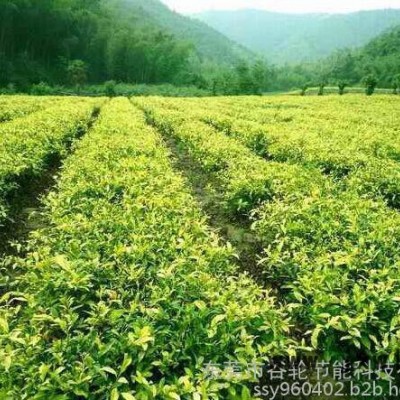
{"x": 291, "y": 6}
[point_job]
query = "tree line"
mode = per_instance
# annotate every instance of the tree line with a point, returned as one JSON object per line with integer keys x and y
{"x": 74, "y": 42}
{"x": 377, "y": 63}
{"x": 46, "y": 40}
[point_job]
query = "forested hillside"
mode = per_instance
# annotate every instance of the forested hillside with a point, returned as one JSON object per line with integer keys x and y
{"x": 73, "y": 43}
{"x": 379, "y": 59}
{"x": 133, "y": 41}
{"x": 210, "y": 45}
{"x": 295, "y": 38}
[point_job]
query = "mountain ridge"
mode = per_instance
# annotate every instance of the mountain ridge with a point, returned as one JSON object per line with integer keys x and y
{"x": 209, "y": 42}
{"x": 295, "y": 38}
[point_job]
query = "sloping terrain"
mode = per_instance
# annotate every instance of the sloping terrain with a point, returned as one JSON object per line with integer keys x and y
{"x": 209, "y": 43}
{"x": 299, "y": 37}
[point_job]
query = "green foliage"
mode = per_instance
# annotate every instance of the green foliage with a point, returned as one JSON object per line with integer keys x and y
{"x": 41, "y": 89}
{"x": 13, "y": 107}
{"x": 110, "y": 88}
{"x": 9, "y": 89}
{"x": 294, "y": 39}
{"x": 304, "y": 89}
{"x": 128, "y": 90}
{"x": 321, "y": 88}
{"x": 342, "y": 86}
{"x": 143, "y": 42}
{"x": 339, "y": 291}
{"x": 209, "y": 44}
{"x": 396, "y": 83}
{"x": 329, "y": 240}
{"x": 132, "y": 42}
{"x": 26, "y": 143}
{"x": 128, "y": 292}
{"x": 370, "y": 81}
{"x": 379, "y": 57}
{"x": 128, "y": 272}
{"x": 245, "y": 79}
{"x": 246, "y": 180}
{"x": 77, "y": 73}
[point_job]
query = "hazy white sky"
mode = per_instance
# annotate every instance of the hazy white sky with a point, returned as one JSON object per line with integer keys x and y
{"x": 294, "y": 6}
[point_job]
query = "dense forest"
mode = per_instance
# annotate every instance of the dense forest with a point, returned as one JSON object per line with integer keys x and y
{"x": 40, "y": 39}
{"x": 134, "y": 41}
{"x": 79, "y": 42}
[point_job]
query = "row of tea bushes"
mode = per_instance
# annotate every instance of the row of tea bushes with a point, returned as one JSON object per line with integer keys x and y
{"x": 332, "y": 251}
{"x": 128, "y": 294}
{"x": 363, "y": 153}
{"x": 27, "y": 143}
{"x": 246, "y": 180}
{"x": 12, "y": 107}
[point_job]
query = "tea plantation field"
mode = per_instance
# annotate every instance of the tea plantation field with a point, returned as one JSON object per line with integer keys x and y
{"x": 181, "y": 233}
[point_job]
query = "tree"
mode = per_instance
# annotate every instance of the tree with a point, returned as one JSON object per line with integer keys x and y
{"x": 110, "y": 90}
{"x": 214, "y": 86}
{"x": 77, "y": 73}
{"x": 396, "y": 83}
{"x": 342, "y": 86}
{"x": 321, "y": 86}
{"x": 259, "y": 73}
{"x": 39, "y": 39}
{"x": 370, "y": 82}
{"x": 245, "y": 79}
{"x": 229, "y": 82}
{"x": 304, "y": 89}
{"x": 341, "y": 66}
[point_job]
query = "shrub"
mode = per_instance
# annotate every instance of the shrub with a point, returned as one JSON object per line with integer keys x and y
{"x": 110, "y": 88}
{"x": 342, "y": 86}
{"x": 41, "y": 89}
{"x": 303, "y": 90}
{"x": 370, "y": 81}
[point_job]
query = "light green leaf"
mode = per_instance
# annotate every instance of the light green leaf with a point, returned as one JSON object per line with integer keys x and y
{"x": 114, "y": 394}
{"x": 126, "y": 363}
{"x": 128, "y": 396}
{"x": 314, "y": 337}
{"x": 217, "y": 319}
{"x": 7, "y": 363}
{"x": 200, "y": 304}
{"x": 43, "y": 370}
{"x": 109, "y": 370}
{"x": 4, "y": 325}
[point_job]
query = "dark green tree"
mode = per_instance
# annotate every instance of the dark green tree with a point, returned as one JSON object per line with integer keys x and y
{"x": 396, "y": 83}
{"x": 110, "y": 88}
{"x": 321, "y": 88}
{"x": 259, "y": 71}
{"x": 77, "y": 73}
{"x": 370, "y": 82}
{"x": 245, "y": 78}
{"x": 342, "y": 86}
{"x": 304, "y": 89}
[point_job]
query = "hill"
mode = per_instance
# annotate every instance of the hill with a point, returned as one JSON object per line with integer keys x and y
{"x": 294, "y": 38}
{"x": 380, "y": 57}
{"x": 209, "y": 43}
{"x": 132, "y": 41}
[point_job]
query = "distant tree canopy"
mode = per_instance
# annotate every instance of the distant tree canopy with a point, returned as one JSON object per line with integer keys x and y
{"x": 380, "y": 58}
{"x": 39, "y": 39}
{"x": 73, "y": 42}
